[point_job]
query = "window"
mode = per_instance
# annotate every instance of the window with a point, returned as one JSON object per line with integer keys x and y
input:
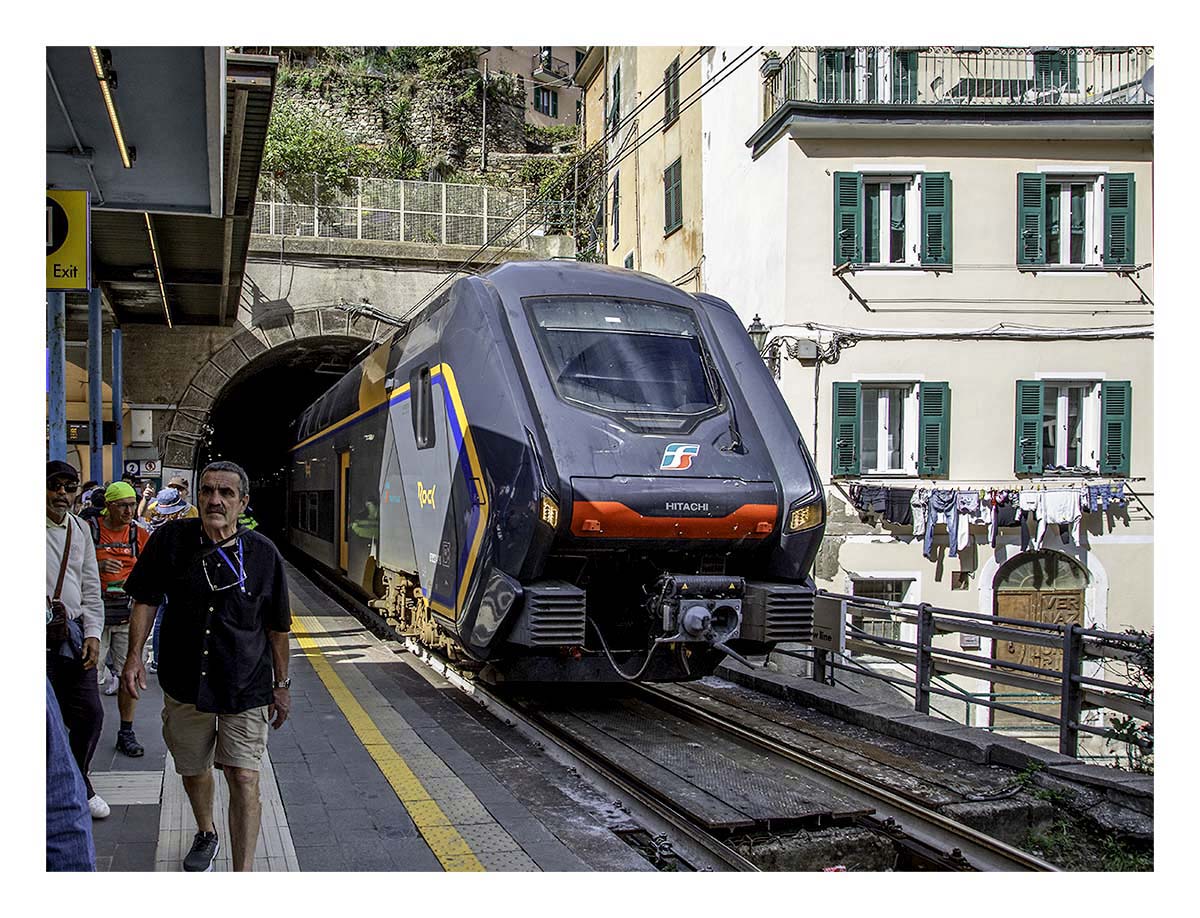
{"x": 546, "y": 101}
{"x": 901, "y": 220}
{"x": 579, "y": 56}
{"x": 623, "y": 355}
{"x": 1055, "y": 69}
{"x": 891, "y": 428}
{"x": 673, "y": 197}
{"x": 1067, "y": 220}
{"x": 614, "y": 112}
{"x": 671, "y": 94}
{"x": 629, "y": 261}
{"x": 421, "y": 396}
{"x": 862, "y": 626}
{"x": 872, "y": 75}
{"x": 616, "y": 209}
{"x": 1067, "y": 426}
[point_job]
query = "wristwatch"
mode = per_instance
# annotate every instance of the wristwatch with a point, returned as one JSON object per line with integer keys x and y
{"x": 283, "y": 683}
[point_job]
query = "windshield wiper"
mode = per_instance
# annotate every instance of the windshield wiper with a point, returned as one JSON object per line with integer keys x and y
{"x": 735, "y": 437}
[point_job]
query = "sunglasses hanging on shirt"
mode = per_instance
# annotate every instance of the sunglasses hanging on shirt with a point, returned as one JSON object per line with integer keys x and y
{"x": 220, "y": 570}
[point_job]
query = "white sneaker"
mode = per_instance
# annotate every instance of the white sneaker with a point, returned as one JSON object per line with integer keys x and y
{"x": 112, "y": 683}
{"x": 98, "y": 807}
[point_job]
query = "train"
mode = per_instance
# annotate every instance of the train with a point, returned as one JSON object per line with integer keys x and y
{"x": 565, "y": 472}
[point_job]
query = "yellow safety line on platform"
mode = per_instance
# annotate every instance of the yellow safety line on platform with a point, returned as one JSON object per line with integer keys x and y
{"x": 448, "y": 846}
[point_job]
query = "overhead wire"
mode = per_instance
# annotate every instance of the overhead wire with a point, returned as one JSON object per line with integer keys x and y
{"x": 596, "y": 148}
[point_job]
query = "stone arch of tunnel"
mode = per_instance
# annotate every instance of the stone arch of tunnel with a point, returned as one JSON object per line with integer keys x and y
{"x": 242, "y": 401}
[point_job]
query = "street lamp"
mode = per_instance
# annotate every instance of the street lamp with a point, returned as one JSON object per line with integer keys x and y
{"x": 758, "y": 333}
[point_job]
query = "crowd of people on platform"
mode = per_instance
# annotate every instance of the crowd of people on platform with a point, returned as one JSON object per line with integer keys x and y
{"x": 112, "y": 566}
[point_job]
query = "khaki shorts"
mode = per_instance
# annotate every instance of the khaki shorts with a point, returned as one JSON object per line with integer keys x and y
{"x": 116, "y": 637}
{"x": 197, "y": 739}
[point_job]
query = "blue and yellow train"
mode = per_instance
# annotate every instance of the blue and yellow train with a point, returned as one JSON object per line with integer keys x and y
{"x": 566, "y": 472}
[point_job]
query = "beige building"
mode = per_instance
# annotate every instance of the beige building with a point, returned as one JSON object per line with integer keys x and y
{"x": 951, "y": 250}
{"x": 645, "y": 101}
{"x": 544, "y": 75}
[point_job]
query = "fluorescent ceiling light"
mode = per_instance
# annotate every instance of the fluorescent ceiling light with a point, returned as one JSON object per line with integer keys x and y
{"x": 158, "y": 270}
{"x": 102, "y": 74}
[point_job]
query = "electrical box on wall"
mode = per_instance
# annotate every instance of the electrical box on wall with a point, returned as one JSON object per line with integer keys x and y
{"x": 141, "y": 427}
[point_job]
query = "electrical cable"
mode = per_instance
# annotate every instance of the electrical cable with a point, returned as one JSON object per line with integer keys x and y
{"x": 613, "y": 663}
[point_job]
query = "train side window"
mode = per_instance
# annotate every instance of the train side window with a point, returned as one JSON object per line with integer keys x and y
{"x": 422, "y": 406}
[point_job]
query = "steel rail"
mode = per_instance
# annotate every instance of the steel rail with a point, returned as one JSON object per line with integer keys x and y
{"x": 546, "y": 732}
{"x": 933, "y": 826}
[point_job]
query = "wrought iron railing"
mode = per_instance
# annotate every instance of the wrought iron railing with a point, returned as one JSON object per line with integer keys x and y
{"x": 545, "y": 63}
{"x": 956, "y": 76}
{"x": 398, "y": 210}
{"x": 1053, "y": 697}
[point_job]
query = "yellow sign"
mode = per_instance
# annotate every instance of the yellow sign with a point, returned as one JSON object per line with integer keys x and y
{"x": 425, "y": 495}
{"x": 68, "y": 240}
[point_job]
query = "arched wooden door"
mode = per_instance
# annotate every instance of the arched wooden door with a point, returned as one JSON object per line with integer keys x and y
{"x": 1040, "y": 586}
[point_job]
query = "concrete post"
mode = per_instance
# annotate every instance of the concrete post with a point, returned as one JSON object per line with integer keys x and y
{"x": 56, "y": 372}
{"x": 118, "y": 457}
{"x": 95, "y": 377}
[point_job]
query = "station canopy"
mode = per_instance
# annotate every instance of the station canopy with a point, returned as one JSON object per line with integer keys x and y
{"x": 194, "y": 122}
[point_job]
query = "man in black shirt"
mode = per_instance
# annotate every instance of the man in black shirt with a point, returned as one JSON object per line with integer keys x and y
{"x": 223, "y": 653}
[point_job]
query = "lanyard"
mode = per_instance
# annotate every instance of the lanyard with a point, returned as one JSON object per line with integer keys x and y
{"x": 240, "y": 570}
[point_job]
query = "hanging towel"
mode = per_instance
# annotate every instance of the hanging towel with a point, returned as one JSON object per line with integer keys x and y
{"x": 942, "y": 504}
{"x": 899, "y": 506}
{"x": 1063, "y": 506}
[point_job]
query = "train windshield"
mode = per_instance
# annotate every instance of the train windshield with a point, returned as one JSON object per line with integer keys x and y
{"x": 624, "y": 355}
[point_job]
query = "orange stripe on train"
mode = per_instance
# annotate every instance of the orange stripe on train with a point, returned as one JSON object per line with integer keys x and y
{"x": 612, "y": 519}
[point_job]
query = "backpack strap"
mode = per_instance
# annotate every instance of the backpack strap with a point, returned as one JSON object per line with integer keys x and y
{"x": 94, "y": 526}
{"x": 133, "y": 539}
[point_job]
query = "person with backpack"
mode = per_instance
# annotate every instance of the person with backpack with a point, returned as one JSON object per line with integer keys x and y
{"x": 118, "y": 540}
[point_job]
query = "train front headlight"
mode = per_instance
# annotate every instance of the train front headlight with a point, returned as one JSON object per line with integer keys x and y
{"x": 800, "y": 518}
{"x": 549, "y": 512}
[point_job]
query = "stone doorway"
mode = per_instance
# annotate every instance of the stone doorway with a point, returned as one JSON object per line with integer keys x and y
{"x": 1041, "y": 586}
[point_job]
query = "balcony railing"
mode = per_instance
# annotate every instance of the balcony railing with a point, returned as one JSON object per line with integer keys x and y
{"x": 435, "y": 213}
{"x": 957, "y": 76}
{"x": 546, "y": 67}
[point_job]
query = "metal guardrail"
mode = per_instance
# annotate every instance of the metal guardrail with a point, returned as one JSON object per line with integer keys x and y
{"x": 931, "y": 663}
{"x": 550, "y": 65}
{"x": 398, "y": 210}
{"x": 958, "y": 76}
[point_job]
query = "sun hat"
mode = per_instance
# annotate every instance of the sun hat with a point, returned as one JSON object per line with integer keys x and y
{"x": 168, "y": 501}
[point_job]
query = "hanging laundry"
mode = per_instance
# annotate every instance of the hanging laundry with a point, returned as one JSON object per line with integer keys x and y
{"x": 1100, "y": 496}
{"x": 1059, "y": 505}
{"x": 899, "y": 506}
{"x": 942, "y": 504}
{"x": 920, "y": 510}
{"x": 968, "y": 509}
{"x": 1027, "y": 504}
{"x": 1005, "y": 513}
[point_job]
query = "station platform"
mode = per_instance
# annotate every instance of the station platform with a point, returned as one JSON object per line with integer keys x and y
{"x": 381, "y": 765}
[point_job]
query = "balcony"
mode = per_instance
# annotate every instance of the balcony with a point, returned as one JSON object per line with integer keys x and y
{"x": 896, "y": 93}
{"x": 547, "y": 68}
{"x": 960, "y": 77}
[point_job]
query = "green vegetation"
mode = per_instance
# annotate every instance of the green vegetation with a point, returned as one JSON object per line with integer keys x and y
{"x": 542, "y": 139}
{"x": 1072, "y": 846}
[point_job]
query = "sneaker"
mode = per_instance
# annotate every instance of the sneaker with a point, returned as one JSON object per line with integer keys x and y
{"x": 127, "y": 744}
{"x": 98, "y": 808}
{"x": 111, "y": 684}
{"x": 152, "y": 666}
{"x": 204, "y": 852}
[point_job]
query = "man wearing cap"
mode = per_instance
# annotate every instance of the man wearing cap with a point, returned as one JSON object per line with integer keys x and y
{"x": 119, "y": 541}
{"x": 224, "y": 666}
{"x": 148, "y": 509}
{"x": 73, "y": 592}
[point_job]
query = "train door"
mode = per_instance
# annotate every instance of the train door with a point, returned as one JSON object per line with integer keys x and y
{"x": 422, "y": 429}
{"x": 343, "y": 516}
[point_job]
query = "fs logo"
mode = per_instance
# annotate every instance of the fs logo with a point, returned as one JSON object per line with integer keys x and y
{"x": 425, "y": 495}
{"x": 678, "y": 456}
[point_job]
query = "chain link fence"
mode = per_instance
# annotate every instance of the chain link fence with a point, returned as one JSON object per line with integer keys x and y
{"x": 399, "y": 210}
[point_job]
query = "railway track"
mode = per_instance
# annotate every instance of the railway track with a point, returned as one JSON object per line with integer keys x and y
{"x": 925, "y": 838}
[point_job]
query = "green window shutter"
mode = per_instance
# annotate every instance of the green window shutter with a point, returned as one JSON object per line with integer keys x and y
{"x": 1115, "y": 421}
{"x": 904, "y": 77}
{"x": 1031, "y": 218}
{"x": 936, "y": 235}
{"x": 847, "y": 224}
{"x": 1073, "y": 70}
{"x": 847, "y": 419}
{"x": 673, "y": 196}
{"x": 1029, "y": 426}
{"x": 1118, "y": 219}
{"x": 616, "y": 209}
{"x": 933, "y": 446}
